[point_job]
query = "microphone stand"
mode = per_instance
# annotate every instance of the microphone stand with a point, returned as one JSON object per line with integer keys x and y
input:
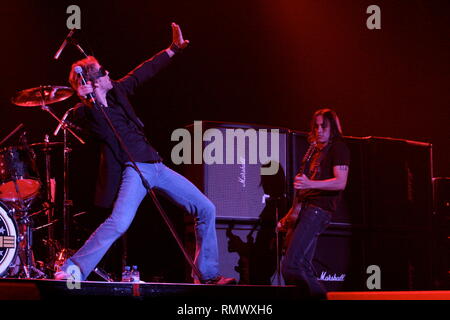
{"x": 151, "y": 193}
{"x": 61, "y": 122}
{"x": 66, "y": 202}
{"x": 69, "y": 39}
{"x": 77, "y": 45}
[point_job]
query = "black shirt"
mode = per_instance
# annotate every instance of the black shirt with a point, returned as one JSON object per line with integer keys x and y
{"x": 123, "y": 116}
{"x": 320, "y": 167}
{"x": 132, "y": 134}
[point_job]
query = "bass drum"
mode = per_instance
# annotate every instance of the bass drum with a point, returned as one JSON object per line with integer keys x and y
{"x": 8, "y": 239}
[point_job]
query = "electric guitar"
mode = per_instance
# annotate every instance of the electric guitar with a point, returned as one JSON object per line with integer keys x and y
{"x": 287, "y": 224}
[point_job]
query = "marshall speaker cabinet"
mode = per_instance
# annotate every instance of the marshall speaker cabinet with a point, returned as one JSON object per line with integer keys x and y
{"x": 230, "y": 164}
{"x": 383, "y": 217}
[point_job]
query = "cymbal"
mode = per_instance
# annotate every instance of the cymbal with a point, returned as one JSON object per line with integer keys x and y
{"x": 46, "y": 144}
{"x": 41, "y": 95}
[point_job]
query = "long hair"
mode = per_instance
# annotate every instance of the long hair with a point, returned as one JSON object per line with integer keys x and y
{"x": 331, "y": 118}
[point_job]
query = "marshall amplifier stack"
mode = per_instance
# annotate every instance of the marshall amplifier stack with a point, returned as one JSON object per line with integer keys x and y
{"x": 441, "y": 232}
{"x": 384, "y": 217}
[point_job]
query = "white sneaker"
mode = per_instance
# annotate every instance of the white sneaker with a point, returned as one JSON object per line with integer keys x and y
{"x": 62, "y": 275}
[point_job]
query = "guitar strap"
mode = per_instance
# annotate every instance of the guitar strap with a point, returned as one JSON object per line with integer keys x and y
{"x": 312, "y": 166}
{"x": 317, "y": 158}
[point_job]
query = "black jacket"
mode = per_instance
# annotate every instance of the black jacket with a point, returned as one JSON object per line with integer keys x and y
{"x": 111, "y": 165}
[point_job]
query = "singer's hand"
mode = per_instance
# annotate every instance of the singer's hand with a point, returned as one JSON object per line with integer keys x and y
{"x": 177, "y": 37}
{"x": 84, "y": 90}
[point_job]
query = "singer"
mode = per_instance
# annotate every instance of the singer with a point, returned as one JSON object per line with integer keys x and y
{"x": 119, "y": 186}
{"x": 318, "y": 185}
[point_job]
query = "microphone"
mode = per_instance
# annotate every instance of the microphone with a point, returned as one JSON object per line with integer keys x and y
{"x": 91, "y": 96}
{"x": 63, "y": 45}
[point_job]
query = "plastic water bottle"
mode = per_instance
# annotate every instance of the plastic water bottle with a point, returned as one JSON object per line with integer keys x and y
{"x": 135, "y": 276}
{"x": 126, "y": 274}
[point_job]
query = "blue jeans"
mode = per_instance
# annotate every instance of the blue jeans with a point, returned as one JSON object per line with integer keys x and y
{"x": 131, "y": 193}
{"x": 297, "y": 267}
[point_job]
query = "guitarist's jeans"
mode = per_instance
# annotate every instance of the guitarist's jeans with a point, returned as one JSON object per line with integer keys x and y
{"x": 170, "y": 184}
{"x": 297, "y": 267}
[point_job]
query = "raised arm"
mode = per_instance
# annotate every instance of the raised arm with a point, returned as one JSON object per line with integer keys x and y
{"x": 178, "y": 43}
{"x": 149, "y": 68}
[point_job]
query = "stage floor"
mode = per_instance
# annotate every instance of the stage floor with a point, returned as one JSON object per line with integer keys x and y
{"x": 192, "y": 301}
{"x": 33, "y": 289}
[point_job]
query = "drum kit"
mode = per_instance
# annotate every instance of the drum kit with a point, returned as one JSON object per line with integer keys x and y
{"x": 21, "y": 185}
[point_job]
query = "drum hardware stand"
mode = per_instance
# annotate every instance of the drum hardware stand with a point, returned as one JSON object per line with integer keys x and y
{"x": 62, "y": 123}
{"x": 26, "y": 252}
{"x": 51, "y": 223}
{"x": 26, "y": 234}
{"x": 20, "y": 210}
{"x": 47, "y": 207}
{"x": 11, "y": 134}
{"x": 50, "y": 208}
{"x": 61, "y": 254}
{"x": 66, "y": 202}
{"x": 39, "y": 97}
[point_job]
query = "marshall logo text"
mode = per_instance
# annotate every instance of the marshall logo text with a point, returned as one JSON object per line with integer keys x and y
{"x": 328, "y": 277}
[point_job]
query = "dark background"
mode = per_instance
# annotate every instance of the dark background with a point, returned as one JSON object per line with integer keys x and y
{"x": 253, "y": 61}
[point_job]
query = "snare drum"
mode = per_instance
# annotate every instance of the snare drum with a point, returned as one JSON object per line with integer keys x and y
{"x": 18, "y": 173}
{"x": 8, "y": 239}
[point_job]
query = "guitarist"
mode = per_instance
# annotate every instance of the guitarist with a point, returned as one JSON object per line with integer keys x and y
{"x": 318, "y": 187}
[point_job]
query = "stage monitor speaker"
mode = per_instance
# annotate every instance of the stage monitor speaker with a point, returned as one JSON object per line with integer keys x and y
{"x": 239, "y": 190}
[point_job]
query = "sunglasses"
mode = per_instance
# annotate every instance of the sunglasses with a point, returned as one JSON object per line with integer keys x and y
{"x": 100, "y": 73}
